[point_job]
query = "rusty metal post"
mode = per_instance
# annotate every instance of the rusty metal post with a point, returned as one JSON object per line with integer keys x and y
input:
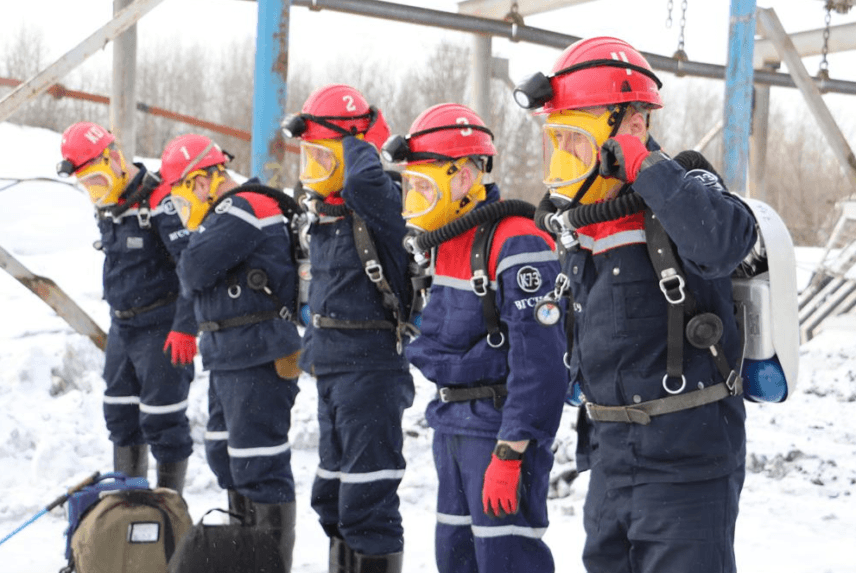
{"x": 123, "y": 101}
{"x": 270, "y": 91}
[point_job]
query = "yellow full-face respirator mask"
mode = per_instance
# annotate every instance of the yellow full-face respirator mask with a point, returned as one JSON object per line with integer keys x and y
{"x": 572, "y": 140}
{"x": 191, "y": 209}
{"x": 427, "y": 194}
{"x": 100, "y": 180}
{"x": 322, "y": 166}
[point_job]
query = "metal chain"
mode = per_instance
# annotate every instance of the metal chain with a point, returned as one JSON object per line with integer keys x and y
{"x": 683, "y": 25}
{"x": 669, "y": 6}
{"x": 823, "y": 72}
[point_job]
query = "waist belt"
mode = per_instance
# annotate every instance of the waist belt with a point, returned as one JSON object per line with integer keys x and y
{"x": 495, "y": 391}
{"x": 215, "y": 325}
{"x": 319, "y": 321}
{"x": 132, "y": 312}
{"x": 643, "y": 412}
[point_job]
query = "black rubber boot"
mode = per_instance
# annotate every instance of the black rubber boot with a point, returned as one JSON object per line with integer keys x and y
{"x": 341, "y": 556}
{"x": 243, "y": 506}
{"x": 171, "y": 475}
{"x": 133, "y": 461}
{"x": 278, "y": 520}
{"x": 378, "y": 563}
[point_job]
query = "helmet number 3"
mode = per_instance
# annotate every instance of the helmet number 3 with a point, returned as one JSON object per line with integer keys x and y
{"x": 463, "y": 121}
{"x": 349, "y": 103}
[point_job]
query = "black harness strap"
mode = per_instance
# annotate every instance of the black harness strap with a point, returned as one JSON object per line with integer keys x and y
{"x": 132, "y": 312}
{"x": 480, "y": 281}
{"x": 494, "y": 391}
{"x": 253, "y": 318}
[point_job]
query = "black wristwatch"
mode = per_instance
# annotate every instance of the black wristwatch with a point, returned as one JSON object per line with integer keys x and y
{"x": 506, "y": 452}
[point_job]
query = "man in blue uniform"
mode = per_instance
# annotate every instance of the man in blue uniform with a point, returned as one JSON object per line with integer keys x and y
{"x": 239, "y": 270}
{"x": 655, "y": 342}
{"x": 499, "y": 373}
{"x": 145, "y": 401}
{"x": 358, "y": 297}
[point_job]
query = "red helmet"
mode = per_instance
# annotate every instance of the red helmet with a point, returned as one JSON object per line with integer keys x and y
{"x": 602, "y": 71}
{"x": 340, "y": 105}
{"x": 84, "y": 141}
{"x": 188, "y": 153}
{"x": 443, "y": 130}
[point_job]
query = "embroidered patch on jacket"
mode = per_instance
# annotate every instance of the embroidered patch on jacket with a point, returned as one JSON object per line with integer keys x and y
{"x": 224, "y": 206}
{"x": 529, "y": 279}
{"x": 134, "y": 243}
{"x": 168, "y": 207}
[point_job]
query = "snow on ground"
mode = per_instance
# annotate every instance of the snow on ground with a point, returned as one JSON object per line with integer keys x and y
{"x": 798, "y": 509}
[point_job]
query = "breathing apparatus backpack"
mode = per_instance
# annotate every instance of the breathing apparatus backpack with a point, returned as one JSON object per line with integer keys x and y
{"x": 765, "y": 297}
{"x": 118, "y": 525}
{"x": 763, "y": 288}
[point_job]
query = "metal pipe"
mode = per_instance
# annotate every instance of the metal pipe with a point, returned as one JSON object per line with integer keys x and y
{"x": 737, "y": 114}
{"x": 270, "y": 90}
{"x": 124, "y": 94}
{"x": 540, "y": 37}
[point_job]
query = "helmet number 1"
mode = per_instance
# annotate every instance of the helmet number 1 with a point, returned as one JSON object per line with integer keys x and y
{"x": 463, "y": 121}
{"x": 349, "y": 103}
{"x": 184, "y": 152}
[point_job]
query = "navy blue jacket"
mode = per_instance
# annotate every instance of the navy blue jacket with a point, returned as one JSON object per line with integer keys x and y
{"x": 452, "y": 349}
{"x": 620, "y": 332}
{"x": 244, "y": 232}
{"x": 340, "y": 287}
{"x": 139, "y": 261}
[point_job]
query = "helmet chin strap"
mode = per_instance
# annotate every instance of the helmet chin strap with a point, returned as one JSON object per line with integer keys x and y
{"x": 615, "y": 119}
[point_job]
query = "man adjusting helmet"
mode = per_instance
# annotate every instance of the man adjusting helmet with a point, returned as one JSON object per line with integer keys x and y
{"x": 654, "y": 345}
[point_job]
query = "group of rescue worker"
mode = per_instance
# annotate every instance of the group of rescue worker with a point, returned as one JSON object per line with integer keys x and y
{"x": 510, "y": 310}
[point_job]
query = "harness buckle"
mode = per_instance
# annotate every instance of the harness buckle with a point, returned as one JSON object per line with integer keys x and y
{"x": 285, "y": 313}
{"x": 374, "y": 271}
{"x": 144, "y": 217}
{"x": 444, "y": 394}
{"x": 498, "y": 344}
{"x": 480, "y": 283}
{"x": 671, "y": 282}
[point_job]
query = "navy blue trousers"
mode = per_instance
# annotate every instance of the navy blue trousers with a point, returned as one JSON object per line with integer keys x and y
{"x": 145, "y": 401}
{"x": 356, "y": 488}
{"x": 249, "y": 415}
{"x": 467, "y": 540}
{"x": 657, "y": 527}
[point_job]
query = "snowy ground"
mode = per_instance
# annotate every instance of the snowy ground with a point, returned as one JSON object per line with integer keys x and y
{"x": 798, "y": 510}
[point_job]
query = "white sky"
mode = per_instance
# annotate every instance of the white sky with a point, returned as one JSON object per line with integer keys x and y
{"x": 330, "y": 34}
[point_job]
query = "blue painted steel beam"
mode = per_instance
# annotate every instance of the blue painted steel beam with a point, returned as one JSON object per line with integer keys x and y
{"x": 738, "y": 95}
{"x": 270, "y": 91}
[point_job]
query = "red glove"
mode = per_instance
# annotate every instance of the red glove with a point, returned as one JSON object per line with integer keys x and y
{"x": 501, "y": 481}
{"x": 182, "y": 347}
{"x": 621, "y": 157}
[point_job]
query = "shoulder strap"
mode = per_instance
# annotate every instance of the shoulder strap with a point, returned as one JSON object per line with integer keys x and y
{"x": 367, "y": 251}
{"x": 702, "y": 330}
{"x": 480, "y": 281}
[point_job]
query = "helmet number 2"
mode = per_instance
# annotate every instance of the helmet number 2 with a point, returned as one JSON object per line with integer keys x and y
{"x": 349, "y": 102}
{"x": 463, "y": 121}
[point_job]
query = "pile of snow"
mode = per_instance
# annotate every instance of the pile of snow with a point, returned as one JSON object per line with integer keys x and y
{"x": 798, "y": 510}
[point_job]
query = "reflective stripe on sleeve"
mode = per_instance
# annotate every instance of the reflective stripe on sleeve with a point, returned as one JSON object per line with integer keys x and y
{"x": 166, "y": 409}
{"x": 268, "y": 451}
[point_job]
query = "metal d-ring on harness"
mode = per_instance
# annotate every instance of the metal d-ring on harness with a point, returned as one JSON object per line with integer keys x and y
{"x": 257, "y": 279}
